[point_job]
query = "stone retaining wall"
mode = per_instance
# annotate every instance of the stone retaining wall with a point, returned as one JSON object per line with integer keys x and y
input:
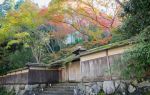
{"x": 117, "y": 87}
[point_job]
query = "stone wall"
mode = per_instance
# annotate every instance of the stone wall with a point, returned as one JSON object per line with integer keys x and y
{"x": 29, "y": 81}
{"x": 113, "y": 87}
{"x": 25, "y": 89}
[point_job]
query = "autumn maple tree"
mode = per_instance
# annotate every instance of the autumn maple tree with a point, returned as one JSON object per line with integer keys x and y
{"x": 47, "y": 32}
{"x": 83, "y": 16}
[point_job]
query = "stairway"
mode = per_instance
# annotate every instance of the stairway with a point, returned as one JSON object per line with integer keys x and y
{"x": 60, "y": 89}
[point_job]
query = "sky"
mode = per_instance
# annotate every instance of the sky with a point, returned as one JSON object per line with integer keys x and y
{"x": 1, "y": 1}
{"x": 42, "y": 3}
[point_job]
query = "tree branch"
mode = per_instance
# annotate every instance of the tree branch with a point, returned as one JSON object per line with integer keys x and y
{"x": 119, "y": 2}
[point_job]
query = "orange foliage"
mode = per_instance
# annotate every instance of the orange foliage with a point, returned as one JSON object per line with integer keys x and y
{"x": 43, "y": 11}
{"x": 102, "y": 19}
{"x": 61, "y": 30}
{"x": 82, "y": 15}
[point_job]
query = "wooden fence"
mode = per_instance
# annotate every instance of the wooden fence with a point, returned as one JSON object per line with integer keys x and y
{"x": 31, "y": 76}
{"x": 98, "y": 69}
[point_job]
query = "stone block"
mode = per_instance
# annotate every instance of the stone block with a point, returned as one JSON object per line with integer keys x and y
{"x": 131, "y": 88}
{"x": 108, "y": 87}
{"x": 95, "y": 88}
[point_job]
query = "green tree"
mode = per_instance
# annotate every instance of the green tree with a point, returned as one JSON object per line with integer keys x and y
{"x": 136, "y": 17}
{"x": 136, "y": 21}
{"x": 137, "y": 59}
{"x": 6, "y": 6}
{"x": 20, "y": 39}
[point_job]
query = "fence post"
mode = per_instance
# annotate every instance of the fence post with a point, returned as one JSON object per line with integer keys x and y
{"x": 108, "y": 64}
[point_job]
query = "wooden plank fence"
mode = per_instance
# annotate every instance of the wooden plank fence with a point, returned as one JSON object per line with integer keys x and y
{"x": 31, "y": 76}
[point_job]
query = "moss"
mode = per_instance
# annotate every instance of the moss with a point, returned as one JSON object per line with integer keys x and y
{"x": 72, "y": 57}
{"x": 113, "y": 45}
{"x": 65, "y": 61}
{"x": 101, "y": 92}
{"x": 147, "y": 93}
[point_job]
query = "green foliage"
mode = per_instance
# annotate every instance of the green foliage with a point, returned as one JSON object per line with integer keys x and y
{"x": 13, "y": 60}
{"x": 20, "y": 28}
{"x": 148, "y": 93}
{"x": 19, "y": 58}
{"x": 8, "y": 5}
{"x": 137, "y": 59}
{"x": 4, "y": 92}
{"x": 116, "y": 36}
{"x": 18, "y": 4}
{"x": 16, "y": 31}
{"x": 137, "y": 17}
{"x": 101, "y": 93}
{"x": 136, "y": 21}
{"x": 3, "y": 60}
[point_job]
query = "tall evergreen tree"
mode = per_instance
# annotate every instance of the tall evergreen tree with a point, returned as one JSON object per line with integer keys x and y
{"x": 136, "y": 17}
{"x": 137, "y": 23}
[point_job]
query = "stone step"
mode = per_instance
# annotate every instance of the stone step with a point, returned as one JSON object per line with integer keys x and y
{"x": 59, "y": 89}
{"x": 63, "y": 87}
{"x": 65, "y": 84}
{"x": 57, "y": 93}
